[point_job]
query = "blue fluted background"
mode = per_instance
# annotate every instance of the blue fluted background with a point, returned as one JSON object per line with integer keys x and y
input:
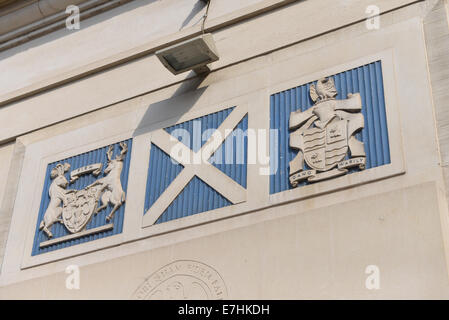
{"x": 366, "y": 80}
{"x": 58, "y": 229}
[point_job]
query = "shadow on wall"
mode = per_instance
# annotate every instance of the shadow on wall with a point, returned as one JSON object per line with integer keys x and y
{"x": 166, "y": 110}
{"x": 195, "y": 10}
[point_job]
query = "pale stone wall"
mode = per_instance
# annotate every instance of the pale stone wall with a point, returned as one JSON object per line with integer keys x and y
{"x": 314, "y": 255}
{"x": 6, "y": 151}
{"x": 295, "y": 22}
{"x": 6, "y": 155}
{"x": 437, "y": 39}
{"x": 318, "y": 247}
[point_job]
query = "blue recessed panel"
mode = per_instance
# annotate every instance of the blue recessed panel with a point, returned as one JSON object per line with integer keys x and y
{"x": 58, "y": 229}
{"x": 366, "y": 80}
{"x": 197, "y": 196}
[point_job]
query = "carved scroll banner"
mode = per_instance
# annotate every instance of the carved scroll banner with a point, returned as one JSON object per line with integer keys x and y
{"x": 315, "y": 176}
{"x": 95, "y": 169}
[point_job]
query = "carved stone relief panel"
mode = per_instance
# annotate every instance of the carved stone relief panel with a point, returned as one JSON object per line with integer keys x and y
{"x": 329, "y": 128}
{"x": 84, "y": 198}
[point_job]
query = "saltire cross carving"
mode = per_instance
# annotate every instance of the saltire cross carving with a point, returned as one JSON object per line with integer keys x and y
{"x": 204, "y": 170}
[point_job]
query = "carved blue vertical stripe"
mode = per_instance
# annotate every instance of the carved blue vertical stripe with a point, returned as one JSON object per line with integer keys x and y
{"x": 196, "y": 197}
{"x": 162, "y": 170}
{"x": 59, "y": 230}
{"x": 232, "y": 156}
{"x": 366, "y": 80}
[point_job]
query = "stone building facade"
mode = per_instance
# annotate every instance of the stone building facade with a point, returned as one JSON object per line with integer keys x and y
{"x": 310, "y": 162}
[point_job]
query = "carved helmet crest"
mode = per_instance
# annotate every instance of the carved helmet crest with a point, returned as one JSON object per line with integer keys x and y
{"x": 324, "y": 90}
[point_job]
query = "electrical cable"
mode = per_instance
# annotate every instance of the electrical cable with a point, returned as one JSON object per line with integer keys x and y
{"x": 205, "y": 16}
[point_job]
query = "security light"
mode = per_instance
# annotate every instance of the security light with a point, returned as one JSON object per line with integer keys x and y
{"x": 193, "y": 54}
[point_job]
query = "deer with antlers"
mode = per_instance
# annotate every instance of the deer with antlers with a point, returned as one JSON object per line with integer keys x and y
{"x": 111, "y": 185}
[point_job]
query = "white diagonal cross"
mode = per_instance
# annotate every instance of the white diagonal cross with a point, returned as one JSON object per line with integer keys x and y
{"x": 211, "y": 175}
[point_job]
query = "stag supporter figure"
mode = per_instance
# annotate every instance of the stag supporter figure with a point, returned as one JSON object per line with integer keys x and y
{"x": 111, "y": 185}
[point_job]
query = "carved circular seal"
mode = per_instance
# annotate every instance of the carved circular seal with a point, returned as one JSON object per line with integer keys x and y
{"x": 181, "y": 280}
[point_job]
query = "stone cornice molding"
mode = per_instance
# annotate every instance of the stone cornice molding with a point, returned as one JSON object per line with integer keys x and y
{"x": 33, "y": 19}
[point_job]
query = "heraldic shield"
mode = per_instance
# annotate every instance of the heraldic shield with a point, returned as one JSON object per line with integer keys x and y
{"x": 81, "y": 204}
{"x": 324, "y": 135}
{"x": 325, "y": 148}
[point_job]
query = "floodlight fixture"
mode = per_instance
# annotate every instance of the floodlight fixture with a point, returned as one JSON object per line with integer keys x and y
{"x": 193, "y": 54}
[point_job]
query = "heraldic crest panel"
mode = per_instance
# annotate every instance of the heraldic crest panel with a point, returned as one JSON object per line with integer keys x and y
{"x": 207, "y": 179}
{"x": 84, "y": 198}
{"x": 328, "y": 128}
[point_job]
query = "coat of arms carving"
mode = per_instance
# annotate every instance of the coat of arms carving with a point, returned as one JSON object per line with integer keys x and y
{"x": 324, "y": 135}
{"x": 75, "y": 208}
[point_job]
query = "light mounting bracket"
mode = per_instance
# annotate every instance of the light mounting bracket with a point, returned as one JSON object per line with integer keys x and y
{"x": 193, "y": 54}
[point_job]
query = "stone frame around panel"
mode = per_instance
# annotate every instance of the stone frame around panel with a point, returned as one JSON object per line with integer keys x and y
{"x": 29, "y": 260}
{"x": 89, "y": 182}
{"x": 142, "y": 143}
{"x": 396, "y": 165}
{"x": 15, "y": 269}
{"x": 257, "y": 108}
{"x": 199, "y": 169}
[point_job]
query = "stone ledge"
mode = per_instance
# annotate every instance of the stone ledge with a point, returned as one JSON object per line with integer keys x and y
{"x": 31, "y": 21}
